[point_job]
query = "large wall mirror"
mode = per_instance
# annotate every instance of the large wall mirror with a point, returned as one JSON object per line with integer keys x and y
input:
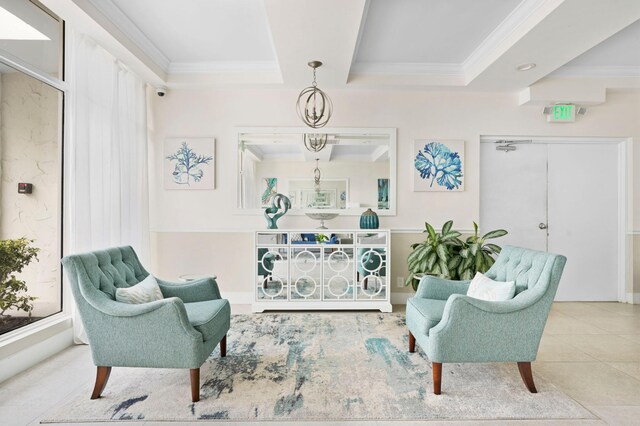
{"x": 336, "y": 170}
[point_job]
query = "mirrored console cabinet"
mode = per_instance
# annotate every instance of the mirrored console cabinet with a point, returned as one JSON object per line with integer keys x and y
{"x": 328, "y": 269}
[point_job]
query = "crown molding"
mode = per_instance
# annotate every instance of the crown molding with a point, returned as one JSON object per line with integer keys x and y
{"x": 408, "y": 68}
{"x": 222, "y": 67}
{"x": 597, "y": 71}
{"x": 118, "y": 18}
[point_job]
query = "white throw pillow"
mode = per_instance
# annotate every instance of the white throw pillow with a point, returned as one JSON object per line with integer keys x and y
{"x": 484, "y": 288}
{"x": 145, "y": 291}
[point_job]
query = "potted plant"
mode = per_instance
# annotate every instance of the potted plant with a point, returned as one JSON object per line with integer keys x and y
{"x": 14, "y": 256}
{"x": 446, "y": 255}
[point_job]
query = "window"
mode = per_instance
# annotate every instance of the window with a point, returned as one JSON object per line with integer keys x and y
{"x": 31, "y": 125}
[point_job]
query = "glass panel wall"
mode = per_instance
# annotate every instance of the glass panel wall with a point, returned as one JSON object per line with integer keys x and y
{"x": 31, "y": 121}
{"x": 32, "y": 35}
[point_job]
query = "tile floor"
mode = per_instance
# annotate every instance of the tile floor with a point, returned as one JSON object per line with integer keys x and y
{"x": 591, "y": 351}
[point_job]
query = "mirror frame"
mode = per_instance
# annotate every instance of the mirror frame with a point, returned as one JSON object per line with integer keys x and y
{"x": 357, "y": 211}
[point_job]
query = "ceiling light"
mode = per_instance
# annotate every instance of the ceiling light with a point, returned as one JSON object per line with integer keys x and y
{"x": 314, "y": 106}
{"x": 315, "y": 142}
{"x": 14, "y": 28}
{"x": 526, "y": 67}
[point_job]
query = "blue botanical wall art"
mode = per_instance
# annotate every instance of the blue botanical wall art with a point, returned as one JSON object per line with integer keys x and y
{"x": 269, "y": 189}
{"x": 383, "y": 193}
{"x": 189, "y": 163}
{"x": 438, "y": 165}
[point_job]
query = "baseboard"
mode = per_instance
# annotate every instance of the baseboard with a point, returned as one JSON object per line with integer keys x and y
{"x": 246, "y": 297}
{"x": 400, "y": 298}
{"x": 633, "y": 298}
{"x": 238, "y": 297}
{"x": 31, "y": 354}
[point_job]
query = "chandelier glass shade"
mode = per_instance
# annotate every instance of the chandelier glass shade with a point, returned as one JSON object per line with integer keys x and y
{"x": 314, "y": 106}
{"x": 315, "y": 142}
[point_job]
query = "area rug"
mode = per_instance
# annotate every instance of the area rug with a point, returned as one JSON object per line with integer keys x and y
{"x": 321, "y": 366}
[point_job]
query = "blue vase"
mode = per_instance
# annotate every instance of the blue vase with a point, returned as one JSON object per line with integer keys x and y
{"x": 369, "y": 220}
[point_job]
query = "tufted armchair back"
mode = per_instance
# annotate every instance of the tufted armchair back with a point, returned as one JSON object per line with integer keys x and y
{"x": 105, "y": 270}
{"x": 529, "y": 269}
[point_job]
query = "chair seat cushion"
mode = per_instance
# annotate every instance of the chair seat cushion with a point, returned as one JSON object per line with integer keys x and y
{"x": 424, "y": 314}
{"x": 208, "y": 317}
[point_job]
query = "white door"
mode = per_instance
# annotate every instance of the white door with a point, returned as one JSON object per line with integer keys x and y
{"x": 513, "y": 194}
{"x": 560, "y": 197}
{"x": 583, "y": 218}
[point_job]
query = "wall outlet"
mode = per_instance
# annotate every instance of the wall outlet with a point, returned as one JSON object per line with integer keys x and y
{"x": 400, "y": 282}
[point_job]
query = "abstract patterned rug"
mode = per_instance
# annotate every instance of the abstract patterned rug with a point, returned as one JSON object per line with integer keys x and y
{"x": 321, "y": 366}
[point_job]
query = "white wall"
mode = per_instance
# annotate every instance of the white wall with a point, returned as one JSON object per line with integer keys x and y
{"x": 29, "y": 141}
{"x": 416, "y": 115}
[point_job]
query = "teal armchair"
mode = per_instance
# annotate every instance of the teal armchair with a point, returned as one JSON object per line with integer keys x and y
{"x": 179, "y": 331}
{"x": 453, "y": 327}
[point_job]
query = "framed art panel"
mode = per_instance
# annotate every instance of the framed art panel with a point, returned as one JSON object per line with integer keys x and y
{"x": 438, "y": 165}
{"x": 323, "y": 199}
{"x": 189, "y": 163}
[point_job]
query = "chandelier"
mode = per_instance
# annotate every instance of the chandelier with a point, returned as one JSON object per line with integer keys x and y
{"x": 314, "y": 106}
{"x": 315, "y": 142}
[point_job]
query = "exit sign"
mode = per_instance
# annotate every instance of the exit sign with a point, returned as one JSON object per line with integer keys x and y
{"x": 562, "y": 114}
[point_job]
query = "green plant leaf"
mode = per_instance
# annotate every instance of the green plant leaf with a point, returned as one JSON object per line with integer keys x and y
{"x": 416, "y": 253}
{"x": 473, "y": 249}
{"x": 447, "y": 227}
{"x": 487, "y": 261}
{"x": 494, "y": 248}
{"x": 436, "y": 270}
{"x": 431, "y": 261}
{"x": 450, "y": 236}
{"x": 442, "y": 252}
{"x": 431, "y": 231}
{"x": 444, "y": 271}
{"x": 466, "y": 275}
{"x": 454, "y": 262}
{"x": 494, "y": 234}
{"x": 464, "y": 253}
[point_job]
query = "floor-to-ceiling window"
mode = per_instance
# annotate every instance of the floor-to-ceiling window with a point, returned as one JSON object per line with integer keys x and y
{"x": 31, "y": 129}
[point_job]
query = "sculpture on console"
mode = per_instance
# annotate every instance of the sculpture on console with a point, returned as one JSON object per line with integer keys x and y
{"x": 278, "y": 202}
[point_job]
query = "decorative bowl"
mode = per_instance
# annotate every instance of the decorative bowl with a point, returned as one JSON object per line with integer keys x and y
{"x": 322, "y": 216}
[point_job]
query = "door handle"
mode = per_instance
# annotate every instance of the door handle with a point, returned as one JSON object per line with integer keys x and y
{"x": 542, "y": 225}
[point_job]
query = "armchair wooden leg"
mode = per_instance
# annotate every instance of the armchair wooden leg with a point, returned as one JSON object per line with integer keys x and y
{"x": 437, "y": 377}
{"x": 527, "y": 376}
{"x": 102, "y": 377}
{"x": 195, "y": 384}
{"x": 223, "y": 346}
{"x": 412, "y": 343}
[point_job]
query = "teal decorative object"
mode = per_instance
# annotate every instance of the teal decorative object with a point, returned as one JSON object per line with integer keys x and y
{"x": 278, "y": 201}
{"x": 369, "y": 220}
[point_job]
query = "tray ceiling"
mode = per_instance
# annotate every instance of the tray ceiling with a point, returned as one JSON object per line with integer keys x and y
{"x": 469, "y": 44}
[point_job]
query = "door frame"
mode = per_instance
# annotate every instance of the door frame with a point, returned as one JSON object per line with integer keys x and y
{"x": 625, "y": 189}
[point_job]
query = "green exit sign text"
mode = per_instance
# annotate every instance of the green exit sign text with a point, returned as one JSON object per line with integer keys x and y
{"x": 562, "y": 114}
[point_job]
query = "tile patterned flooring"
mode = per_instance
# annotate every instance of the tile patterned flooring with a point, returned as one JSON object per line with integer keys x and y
{"x": 591, "y": 351}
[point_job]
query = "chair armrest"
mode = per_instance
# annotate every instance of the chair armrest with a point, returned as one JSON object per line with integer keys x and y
{"x": 431, "y": 287}
{"x": 170, "y": 309}
{"x": 473, "y": 330}
{"x": 191, "y": 291}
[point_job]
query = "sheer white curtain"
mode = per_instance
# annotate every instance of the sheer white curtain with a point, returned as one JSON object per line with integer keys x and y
{"x": 249, "y": 194}
{"x": 107, "y": 173}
